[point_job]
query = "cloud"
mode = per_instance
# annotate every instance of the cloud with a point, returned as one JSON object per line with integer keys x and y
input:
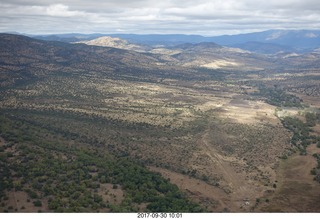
{"x": 61, "y": 10}
{"x": 204, "y": 17}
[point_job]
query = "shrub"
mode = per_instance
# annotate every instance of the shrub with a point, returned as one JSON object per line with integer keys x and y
{"x": 37, "y": 203}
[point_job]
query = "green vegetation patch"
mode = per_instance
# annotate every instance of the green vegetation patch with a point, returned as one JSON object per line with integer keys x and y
{"x": 278, "y": 97}
{"x": 69, "y": 174}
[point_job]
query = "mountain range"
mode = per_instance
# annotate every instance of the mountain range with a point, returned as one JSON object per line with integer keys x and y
{"x": 266, "y": 42}
{"x": 112, "y": 54}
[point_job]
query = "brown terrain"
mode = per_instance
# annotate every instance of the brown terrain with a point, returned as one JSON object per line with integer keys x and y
{"x": 209, "y": 132}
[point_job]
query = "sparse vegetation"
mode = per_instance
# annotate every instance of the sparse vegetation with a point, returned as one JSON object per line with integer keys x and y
{"x": 316, "y": 171}
{"x": 81, "y": 126}
{"x": 301, "y": 135}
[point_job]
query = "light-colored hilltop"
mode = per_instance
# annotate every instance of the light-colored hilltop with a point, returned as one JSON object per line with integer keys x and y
{"x": 107, "y": 41}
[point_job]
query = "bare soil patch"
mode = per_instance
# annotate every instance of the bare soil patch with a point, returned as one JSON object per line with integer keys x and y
{"x": 310, "y": 100}
{"x": 211, "y": 197}
{"x": 110, "y": 193}
{"x": 20, "y": 202}
{"x": 249, "y": 112}
{"x": 296, "y": 191}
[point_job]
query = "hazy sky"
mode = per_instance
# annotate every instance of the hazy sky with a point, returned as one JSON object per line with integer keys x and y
{"x": 204, "y": 17}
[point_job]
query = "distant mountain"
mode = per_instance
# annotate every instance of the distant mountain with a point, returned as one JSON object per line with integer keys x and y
{"x": 67, "y": 38}
{"x": 290, "y": 40}
{"x": 297, "y": 39}
{"x": 264, "y": 42}
{"x": 213, "y": 56}
{"x": 148, "y": 39}
{"x": 107, "y": 41}
{"x": 204, "y": 54}
{"x": 264, "y": 48}
{"x": 198, "y": 46}
{"x": 162, "y": 39}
